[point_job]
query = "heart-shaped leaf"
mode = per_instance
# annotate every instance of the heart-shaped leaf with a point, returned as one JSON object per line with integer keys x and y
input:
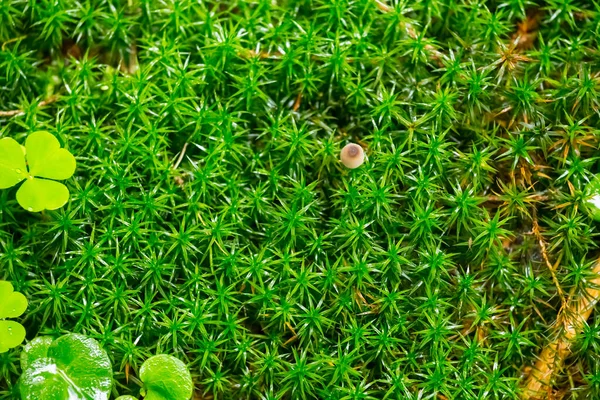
{"x": 12, "y": 163}
{"x": 13, "y": 305}
{"x": 41, "y": 194}
{"x": 46, "y": 159}
{"x": 166, "y": 378}
{"x": 76, "y": 368}
{"x": 12, "y": 334}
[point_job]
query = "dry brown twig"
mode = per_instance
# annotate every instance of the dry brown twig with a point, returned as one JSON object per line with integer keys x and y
{"x": 181, "y": 155}
{"x": 297, "y": 102}
{"x": 11, "y": 113}
{"x": 290, "y": 340}
{"x": 527, "y": 31}
{"x": 552, "y": 268}
{"x": 12, "y": 41}
{"x": 568, "y": 324}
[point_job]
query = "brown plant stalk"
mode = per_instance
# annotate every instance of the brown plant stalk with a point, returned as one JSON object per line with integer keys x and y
{"x": 552, "y": 268}
{"x": 11, "y": 113}
{"x": 569, "y": 323}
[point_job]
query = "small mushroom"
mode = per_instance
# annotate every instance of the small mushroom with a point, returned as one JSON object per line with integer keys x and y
{"x": 352, "y": 156}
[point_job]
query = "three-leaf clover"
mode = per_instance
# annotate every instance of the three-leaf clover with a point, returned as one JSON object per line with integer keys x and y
{"x": 166, "y": 378}
{"x": 40, "y": 161}
{"x": 72, "y": 367}
{"x": 12, "y": 305}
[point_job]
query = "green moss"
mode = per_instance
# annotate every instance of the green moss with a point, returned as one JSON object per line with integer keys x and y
{"x": 210, "y": 217}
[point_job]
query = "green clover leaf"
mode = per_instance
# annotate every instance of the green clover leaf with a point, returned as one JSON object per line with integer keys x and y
{"x": 34, "y": 349}
{"x": 12, "y": 305}
{"x": 72, "y": 367}
{"x": 40, "y": 164}
{"x": 166, "y": 378}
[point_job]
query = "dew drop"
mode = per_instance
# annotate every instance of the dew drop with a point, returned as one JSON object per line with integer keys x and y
{"x": 18, "y": 171}
{"x": 30, "y": 208}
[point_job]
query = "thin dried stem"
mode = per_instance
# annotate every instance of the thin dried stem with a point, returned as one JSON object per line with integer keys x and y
{"x": 551, "y": 268}
{"x": 569, "y": 323}
{"x": 11, "y": 113}
{"x": 12, "y": 41}
{"x": 181, "y": 155}
{"x": 297, "y": 102}
{"x": 382, "y": 6}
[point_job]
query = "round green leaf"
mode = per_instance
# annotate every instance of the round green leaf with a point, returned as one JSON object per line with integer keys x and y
{"x": 46, "y": 159}
{"x": 37, "y": 348}
{"x": 44, "y": 380}
{"x": 41, "y": 194}
{"x": 76, "y": 368}
{"x": 126, "y": 398}
{"x": 166, "y": 378}
{"x": 12, "y": 163}
{"x": 13, "y": 303}
{"x": 592, "y": 198}
{"x": 12, "y": 334}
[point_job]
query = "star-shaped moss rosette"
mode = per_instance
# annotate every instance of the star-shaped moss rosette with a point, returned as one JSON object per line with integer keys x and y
{"x": 12, "y": 305}
{"x": 40, "y": 164}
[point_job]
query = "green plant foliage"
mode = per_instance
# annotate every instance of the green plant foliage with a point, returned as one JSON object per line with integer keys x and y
{"x": 71, "y": 367}
{"x": 592, "y": 197}
{"x": 45, "y": 161}
{"x": 35, "y": 349}
{"x": 166, "y": 378}
{"x": 12, "y": 305}
{"x": 211, "y": 218}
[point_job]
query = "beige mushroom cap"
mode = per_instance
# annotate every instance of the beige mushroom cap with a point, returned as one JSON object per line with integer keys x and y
{"x": 352, "y": 156}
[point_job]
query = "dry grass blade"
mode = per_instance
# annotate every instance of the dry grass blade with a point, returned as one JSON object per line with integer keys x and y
{"x": 551, "y": 268}
{"x": 12, "y": 113}
{"x": 569, "y": 323}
